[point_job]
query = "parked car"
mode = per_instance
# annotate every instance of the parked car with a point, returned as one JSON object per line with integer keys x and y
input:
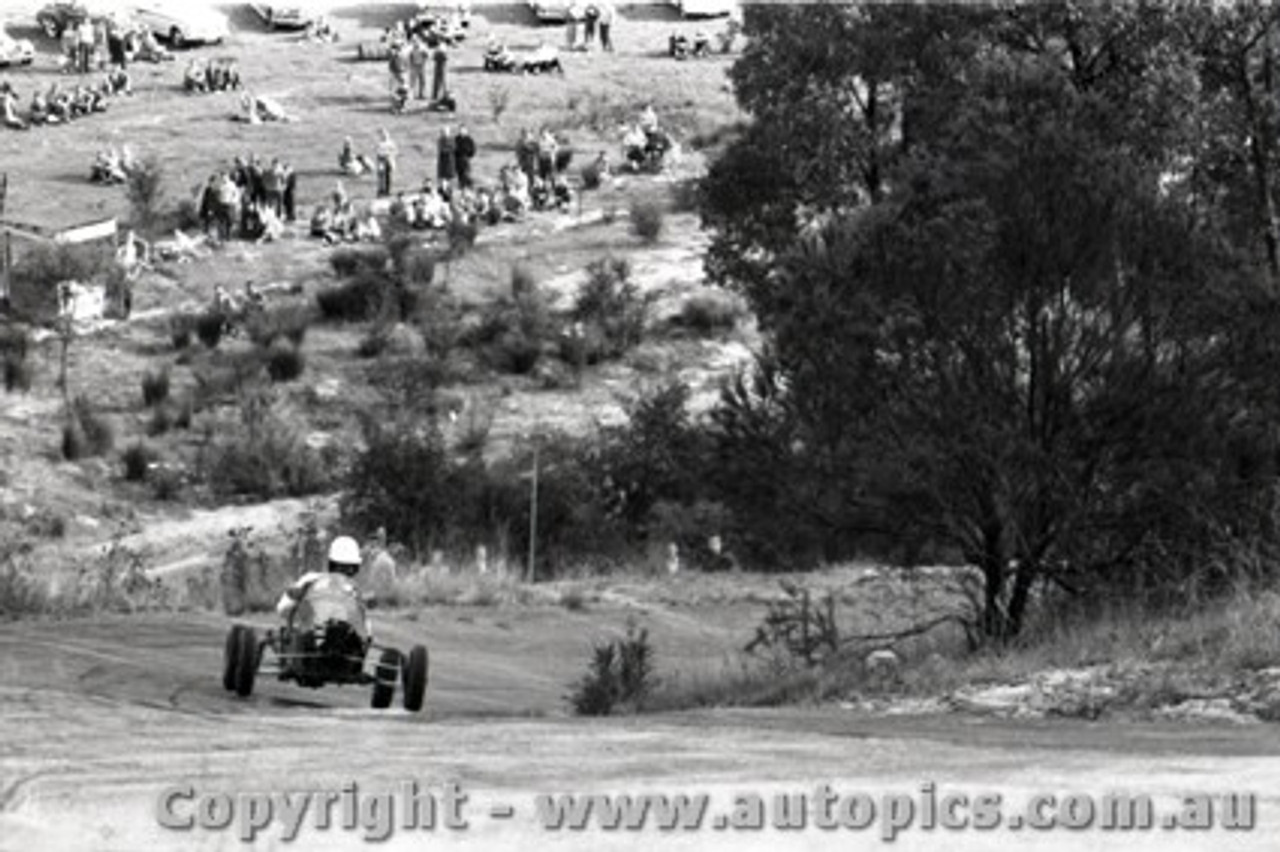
{"x": 282, "y": 17}
{"x": 705, "y": 8}
{"x": 15, "y": 51}
{"x": 550, "y": 10}
{"x": 182, "y": 23}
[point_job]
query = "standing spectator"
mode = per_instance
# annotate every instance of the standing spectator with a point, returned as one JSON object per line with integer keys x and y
{"x": 446, "y": 164}
{"x": 290, "y": 193}
{"x": 273, "y": 188}
{"x": 386, "y": 164}
{"x": 547, "y": 147}
{"x": 398, "y": 68}
{"x": 115, "y": 44}
{"x": 439, "y": 83}
{"x": 527, "y": 153}
{"x": 606, "y": 24}
{"x": 464, "y": 150}
{"x": 589, "y": 20}
{"x": 84, "y": 44}
{"x": 70, "y": 46}
{"x": 573, "y": 34}
{"x": 418, "y": 56}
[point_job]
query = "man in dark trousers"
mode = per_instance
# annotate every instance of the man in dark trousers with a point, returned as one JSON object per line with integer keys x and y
{"x": 290, "y": 193}
{"x": 464, "y": 150}
{"x": 439, "y": 83}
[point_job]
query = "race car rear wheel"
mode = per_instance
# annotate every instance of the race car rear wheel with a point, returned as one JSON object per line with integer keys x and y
{"x": 384, "y": 688}
{"x": 246, "y": 661}
{"x": 415, "y": 679}
{"x": 230, "y": 658}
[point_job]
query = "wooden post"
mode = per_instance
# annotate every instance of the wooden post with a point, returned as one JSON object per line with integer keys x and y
{"x": 6, "y": 264}
{"x": 530, "y": 571}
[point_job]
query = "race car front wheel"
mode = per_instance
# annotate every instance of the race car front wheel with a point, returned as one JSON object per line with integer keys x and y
{"x": 230, "y": 658}
{"x": 384, "y": 688}
{"x": 246, "y": 661}
{"x": 415, "y": 679}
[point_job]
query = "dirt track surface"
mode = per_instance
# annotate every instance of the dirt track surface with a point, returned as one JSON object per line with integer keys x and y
{"x": 99, "y": 718}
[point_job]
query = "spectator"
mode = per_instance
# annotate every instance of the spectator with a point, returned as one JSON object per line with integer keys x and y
{"x": 464, "y": 150}
{"x": 386, "y": 164}
{"x": 605, "y": 23}
{"x": 85, "y": 37}
{"x": 115, "y": 45}
{"x": 439, "y": 83}
{"x": 290, "y": 193}
{"x": 418, "y": 56}
{"x": 590, "y": 18}
{"x": 446, "y": 162}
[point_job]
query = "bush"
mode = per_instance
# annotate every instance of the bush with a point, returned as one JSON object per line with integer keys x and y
{"x": 418, "y": 268}
{"x": 684, "y": 195}
{"x": 360, "y": 299}
{"x": 267, "y": 459}
{"x": 564, "y": 159}
{"x": 161, "y": 421}
{"x": 708, "y": 314}
{"x": 619, "y": 676}
{"x": 592, "y": 176}
{"x": 143, "y": 188}
{"x": 284, "y": 363}
{"x": 349, "y": 261}
{"x": 210, "y": 327}
{"x": 516, "y": 353}
{"x": 522, "y": 281}
{"x": 33, "y": 293}
{"x": 291, "y": 322}
{"x": 612, "y": 304}
{"x": 513, "y": 331}
{"x": 180, "y": 329}
{"x": 374, "y": 343}
{"x": 155, "y": 387}
{"x": 647, "y": 220}
{"x": 137, "y": 458}
{"x": 85, "y": 433}
{"x": 185, "y": 413}
{"x": 17, "y": 373}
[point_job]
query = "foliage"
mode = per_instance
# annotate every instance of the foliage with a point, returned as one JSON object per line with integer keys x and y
{"x": 266, "y": 458}
{"x": 180, "y": 328}
{"x": 137, "y": 457}
{"x": 285, "y": 362}
{"x": 210, "y": 327}
{"x": 155, "y": 387}
{"x": 647, "y": 221}
{"x": 619, "y": 676}
{"x": 612, "y": 303}
{"x": 33, "y": 292}
{"x": 86, "y": 432}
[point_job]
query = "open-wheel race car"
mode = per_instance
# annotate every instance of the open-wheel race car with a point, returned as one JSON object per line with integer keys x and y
{"x": 326, "y": 641}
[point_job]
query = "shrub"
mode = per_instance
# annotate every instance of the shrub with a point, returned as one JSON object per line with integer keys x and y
{"x": 708, "y": 314}
{"x": 291, "y": 322}
{"x": 166, "y": 482}
{"x": 33, "y": 292}
{"x": 359, "y": 299}
{"x": 155, "y": 387}
{"x": 85, "y": 433}
{"x": 499, "y": 99}
{"x": 188, "y": 215}
{"x": 17, "y": 373}
{"x": 516, "y": 353}
{"x": 374, "y": 343}
{"x": 647, "y": 220}
{"x": 418, "y": 268}
{"x": 284, "y": 363}
{"x": 144, "y": 186}
{"x": 161, "y": 421}
{"x": 611, "y": 303}
{"x": 684, "y": 195}
{"x": 564, "y": 159}
{"x": 185, "y": 413}
{"x": 619, "y": 676}
{"x": 180, "y": 328}
{"x": 592, "y": 177}
{"x": 267, "y": 459}
{"x": 210, "y": 327}
{"x": 349, "y": 261}
{"x": 522, "y": 281}
{"x": 513, "y": 331}
{"x": 137, "y": 458}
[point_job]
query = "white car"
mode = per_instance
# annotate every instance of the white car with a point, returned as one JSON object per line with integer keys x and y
{"x": 182, "y": 23}
{"x": 15, "y": 51}
{"x": 279, "y": 16}
{"x": 705, "y": 8}
{"x": 551, "y": 10}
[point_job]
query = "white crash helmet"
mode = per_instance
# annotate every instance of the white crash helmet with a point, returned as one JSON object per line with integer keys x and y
{"x": 344, "y": 556}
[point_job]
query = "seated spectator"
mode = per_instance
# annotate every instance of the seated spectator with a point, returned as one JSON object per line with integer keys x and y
{"x": 498, "y": 58}
{"x": 351, "y": 163}
{"x": 257, "y": 109}
{"x": 701, "y": 44}
{"x": 9, "y": 108}
{"x": 561, "y": 195}
{"x": 150, "y": 50}
{"x": 543, "y": 60}
{"x": 195, "y": 78}
{"x": 539, "y": 193}
{"x": 678, "y": 46}
{"x": 118, "y": 82}
{"x": 107, "y": 168}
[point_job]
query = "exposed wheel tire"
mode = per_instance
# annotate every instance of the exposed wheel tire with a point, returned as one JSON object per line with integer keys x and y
{"x": 230, "y": 658}
{"x": 384, "y": 689}
{"x": 50, "y": 27}
{"x": 415, "y": 679}
{"x": 247, "y": 661}
{"x": 176, "y": 37}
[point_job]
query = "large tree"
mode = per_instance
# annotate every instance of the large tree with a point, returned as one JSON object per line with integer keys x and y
{"x": 1023, "y": 343}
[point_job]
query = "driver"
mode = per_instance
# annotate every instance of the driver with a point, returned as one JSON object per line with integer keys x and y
{"x": 344, "y": 564}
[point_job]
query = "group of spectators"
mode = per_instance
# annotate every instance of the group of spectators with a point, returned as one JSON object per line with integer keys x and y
{"x": 543, "y": 60}
{"x": 211, "y": 75}
{"x": 589, "y": 20}
{"x": 252, "y": 200}
{"x": 61, "y": 104}
{"x": 407, "y": 62}
{"x": 92, "y": 44}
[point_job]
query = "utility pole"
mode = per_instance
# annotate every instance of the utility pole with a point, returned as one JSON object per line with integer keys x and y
{"x": 533, "y": 518}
